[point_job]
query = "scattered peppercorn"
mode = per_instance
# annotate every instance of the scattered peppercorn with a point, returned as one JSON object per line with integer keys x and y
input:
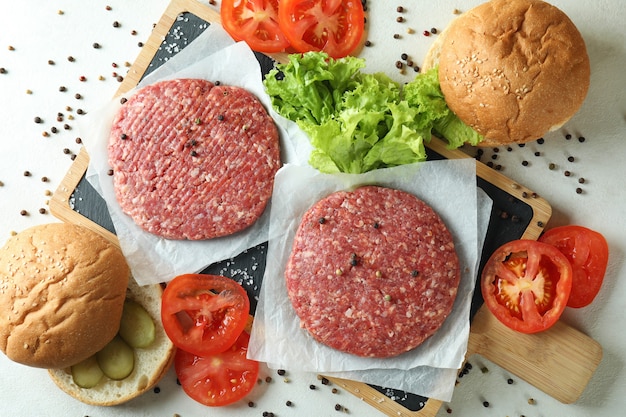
{"x": 71, "y": 58}
{"x": 82, "y": 78}
{"x": 3, "y": 70}
{"x": 62, "y": 88}
{"x": 368, "y": 43}
{"x": 312, "y": 387}
{"x": 96, "y": 45}
{"x": 581, "y": 139}
{"x": 433, "y": 31}
{"x": 395, "y": 36}
{"x": 116, "y": 24}
{"x": 44, "y": 179}
{"x": 157, "y": 390}
{"x": 77, "y": 96}
{"x": 42, "y": 211}
{"x": 268, "y": 379}
{"x": 50, "y": 62}
{"x": 570, "y": 159}
{"x": 281, "y": 372}
{"x": 567, "y": 173}
{"x": 38, "y": 119}
{"x": 485, "y": 404}
{"x": 579, "y": 190}
{"x": 568, "y": 136}
{"x": 23, "y": 213}
{"x": 288, "y": 403}
{"x": 322, "y": 220}
{"x": 399, "y": 19}
{"x": 338, "y": 407}
{"x": 251, "y": 404}
{"x": 426, "y": 33}
{"x": 27, "y": 173}
{"x": 400, "y": 9}
{"x": 581, "y": 180}
{"x": 525, "y": 163}
{"x": 509, "y": 381}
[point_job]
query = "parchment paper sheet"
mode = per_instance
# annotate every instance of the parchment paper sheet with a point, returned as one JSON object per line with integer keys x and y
{"x": 449, "y": 186}
{"x": 213, "y": 56}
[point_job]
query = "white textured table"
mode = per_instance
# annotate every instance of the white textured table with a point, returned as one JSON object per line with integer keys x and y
{"x": 62, "y": 58}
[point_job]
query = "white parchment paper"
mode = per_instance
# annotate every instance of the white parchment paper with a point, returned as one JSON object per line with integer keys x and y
{"x": 449, "y": 186}
{"x": 213, "y": 56}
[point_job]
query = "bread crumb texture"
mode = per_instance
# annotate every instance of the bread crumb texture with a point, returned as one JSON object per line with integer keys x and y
{"x": 62, "y": 290}
{"x": 514, "y": 70}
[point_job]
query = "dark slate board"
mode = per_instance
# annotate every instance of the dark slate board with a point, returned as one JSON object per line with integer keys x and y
{"x": 248, "y": 267}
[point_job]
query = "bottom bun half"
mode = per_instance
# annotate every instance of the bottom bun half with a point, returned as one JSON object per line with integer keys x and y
{"x": 151, "y": 363}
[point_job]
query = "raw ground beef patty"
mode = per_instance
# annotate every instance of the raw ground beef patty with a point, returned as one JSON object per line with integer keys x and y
{"x": 372, "y": 272}
{"x": 193, "y": 160}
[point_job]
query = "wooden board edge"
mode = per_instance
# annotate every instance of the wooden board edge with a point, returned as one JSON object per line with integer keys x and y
{"x": 383, "y": 403}
{"x": 60, "y": 202}
{"x": 542, "y": 211}
{"x": 488, "y": 337}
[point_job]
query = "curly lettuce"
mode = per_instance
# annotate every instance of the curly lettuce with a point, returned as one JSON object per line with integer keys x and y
{"x": 357, "y": 121}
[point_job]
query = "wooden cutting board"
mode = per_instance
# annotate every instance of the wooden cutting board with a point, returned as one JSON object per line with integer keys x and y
{"x": 559, "y": 362}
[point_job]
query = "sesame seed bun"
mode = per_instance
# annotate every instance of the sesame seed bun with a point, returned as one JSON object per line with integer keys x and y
{"x": 62, "y": 291}
{"x": 512, "y": 70}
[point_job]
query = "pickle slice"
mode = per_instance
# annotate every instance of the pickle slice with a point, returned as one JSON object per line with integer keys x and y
{"x": 116, "y": 359}
{"x": 136, "y": 327}
{"x": 87, "y": 374}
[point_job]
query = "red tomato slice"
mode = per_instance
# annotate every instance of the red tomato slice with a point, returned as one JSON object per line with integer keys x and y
{"x": 255, "y": 22}
{"x": 204, "y": 314}
{"x": 333, "y": 26}
{"x": 219, "y": 379}
{"x": 526, "y": 285}
{"x": 588, "y": 253}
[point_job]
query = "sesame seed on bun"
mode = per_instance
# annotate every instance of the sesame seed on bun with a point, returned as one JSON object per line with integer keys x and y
{"x": 512, "y": 70}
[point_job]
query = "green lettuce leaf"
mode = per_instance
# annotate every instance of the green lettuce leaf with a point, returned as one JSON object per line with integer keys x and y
{"x": 356, "y": 121}
{"x": 425, "y": 93}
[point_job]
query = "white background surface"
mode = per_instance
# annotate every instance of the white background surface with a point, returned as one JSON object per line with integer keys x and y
{"x": 38, "y": 32}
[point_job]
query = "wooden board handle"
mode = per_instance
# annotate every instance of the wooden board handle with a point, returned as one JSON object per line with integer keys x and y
{"x": 559, "y": 361}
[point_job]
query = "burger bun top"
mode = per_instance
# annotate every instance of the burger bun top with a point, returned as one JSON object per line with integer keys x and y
{"x": 512, "y": 70}
{"x": 62, "y": 291}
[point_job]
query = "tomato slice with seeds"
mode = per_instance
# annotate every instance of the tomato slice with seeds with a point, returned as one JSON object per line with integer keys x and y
{"x": 333, "y": 26}
{"x": 204, "y": 314}
{"x": 255, "y": 22}
{"x": 588, "y": 253}
{"x": 219, "y": 379}
{"x": 526, "y": 285}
